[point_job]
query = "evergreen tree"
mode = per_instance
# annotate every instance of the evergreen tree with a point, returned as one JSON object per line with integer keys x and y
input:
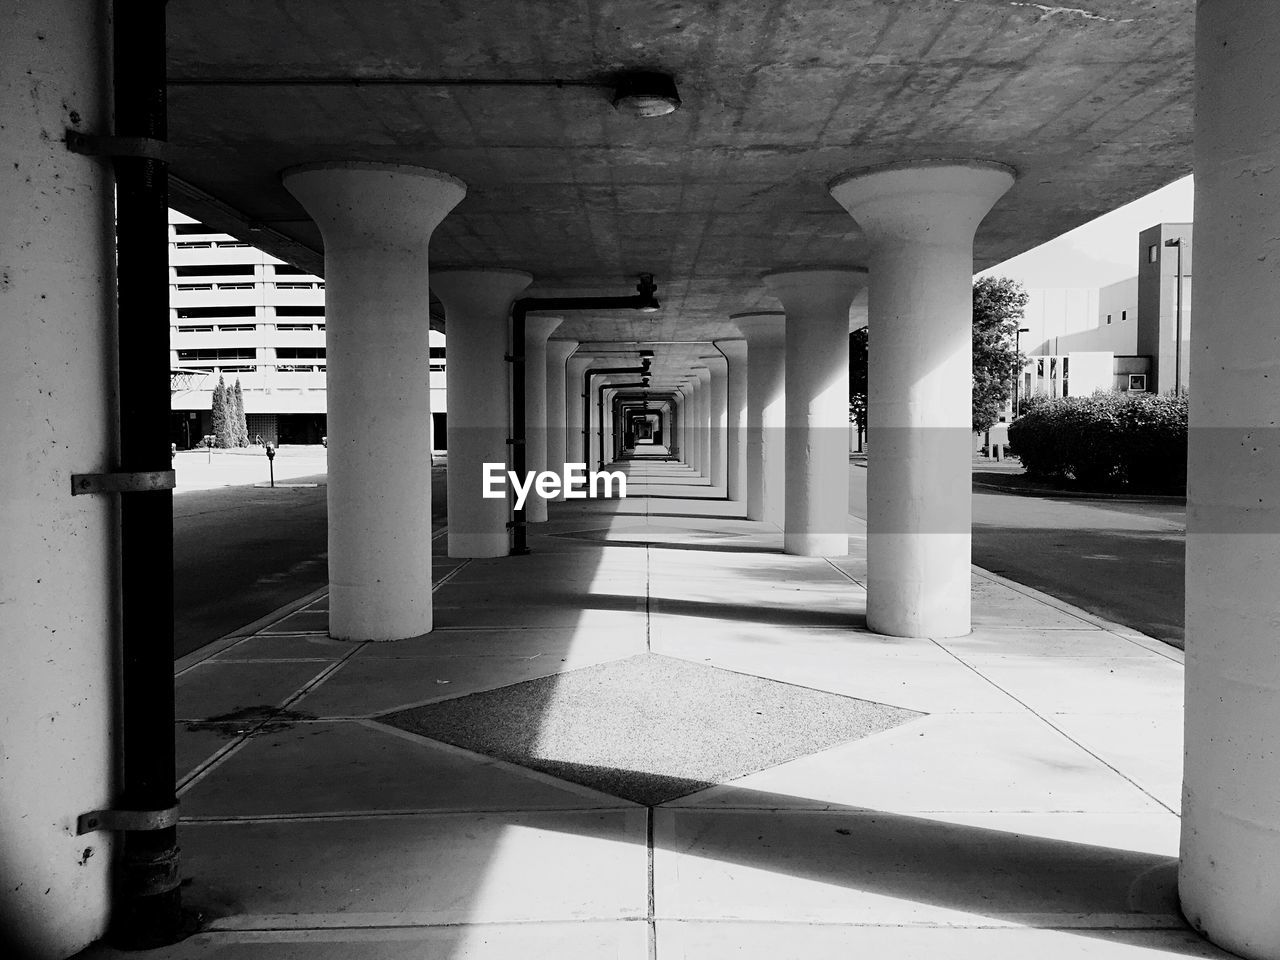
{"x": 998, "y": 306}
{"x": 239, "y": 425}
{"x": 221, "y": 411}
{"x": 858, "y": 381}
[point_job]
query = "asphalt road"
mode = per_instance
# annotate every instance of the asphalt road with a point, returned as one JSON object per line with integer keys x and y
{"x": 1120, "y": 559}
{"x": 242, "y": 552}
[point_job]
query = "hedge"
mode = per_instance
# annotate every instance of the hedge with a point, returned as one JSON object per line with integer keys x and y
{"x": 1133, "y": 441}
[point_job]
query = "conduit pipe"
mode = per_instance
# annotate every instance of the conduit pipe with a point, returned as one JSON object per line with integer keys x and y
{"x": 643, "y": 300}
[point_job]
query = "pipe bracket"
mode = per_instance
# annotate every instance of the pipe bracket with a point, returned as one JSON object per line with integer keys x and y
{"x": 140, "y": 482}
{"x": 131, "y": 820}
{"x": 92, "y": 145}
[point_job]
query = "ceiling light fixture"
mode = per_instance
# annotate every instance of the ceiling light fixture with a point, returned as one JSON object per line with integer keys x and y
{"x": 645, "y": 94}
{"x": 647, "y": 288}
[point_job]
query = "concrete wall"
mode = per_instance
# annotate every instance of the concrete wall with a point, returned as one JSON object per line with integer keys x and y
{"x": 1157, "y": 297}
{"x": 57, "y": 613}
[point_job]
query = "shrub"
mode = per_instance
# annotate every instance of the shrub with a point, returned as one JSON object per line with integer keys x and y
{"x": 1136, "y": 441}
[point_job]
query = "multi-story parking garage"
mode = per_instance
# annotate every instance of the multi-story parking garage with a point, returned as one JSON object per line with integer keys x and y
{"x": 521, "y": 161}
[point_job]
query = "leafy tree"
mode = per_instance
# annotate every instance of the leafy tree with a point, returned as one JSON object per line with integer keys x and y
{"x": 239, "y": 425}
{"x": 858, "y": 381}
{"x": 221, "y": 415}
{"x": 998, "y": 305}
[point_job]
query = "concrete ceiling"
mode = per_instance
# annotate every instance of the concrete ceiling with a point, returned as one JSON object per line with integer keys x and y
{"x": 1092, "y": 106}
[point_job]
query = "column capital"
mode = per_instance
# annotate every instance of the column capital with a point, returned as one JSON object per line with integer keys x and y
{"x": 732, "y": 349}
{"x": 714, "y": 362}
{"x": 390, "y": 205}
{"x": 539, "y": 326}
{"x": 761, "y": 326}
{"x": 477, "y": 291}
{"x": 923, "y": 201}
{"x": 811, "y": 294}
{"x": 561, "y": 350}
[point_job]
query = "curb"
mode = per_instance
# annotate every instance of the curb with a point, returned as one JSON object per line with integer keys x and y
{"x": 1081, "y": 494}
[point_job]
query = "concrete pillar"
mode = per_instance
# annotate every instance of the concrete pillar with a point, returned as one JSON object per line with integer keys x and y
{"x": 376, "y": 221}
{"x": 477, "y": 308}
{"x": 816, "y": 303}
{"x": 558, "y": 430}
{"x": 718, "y": 419}
{"x": 575, "y": 367}
{"x": 57, "y": 562}
{"x": 537, "y": 329}
{"x": 766, "y": 414}
{"x": 704, "y": 420}
{"x": 735, "y": 352}
{"x": 920, "y": 220}
{"x": 1229, "y": 875}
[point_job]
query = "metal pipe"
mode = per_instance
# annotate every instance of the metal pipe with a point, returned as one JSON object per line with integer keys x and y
{"x": 643, "y": 300}
{"x": 147, "y": 906}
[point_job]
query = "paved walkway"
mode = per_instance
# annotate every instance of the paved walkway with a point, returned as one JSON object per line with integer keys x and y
{"x": 834, "y": 792}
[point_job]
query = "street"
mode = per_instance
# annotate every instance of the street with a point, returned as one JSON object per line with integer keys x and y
{"x": 240, "y": 552}
{"x": 1122, "y": 560}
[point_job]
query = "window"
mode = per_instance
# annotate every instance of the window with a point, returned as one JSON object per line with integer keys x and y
{"x": 1108, "y": 318}
{"x": 296, "y": 326}
{"x": 285, "y": 269}
{"x": 216, "y": 270}
{"x": 235, "y": 286}
{"x": 299, "y": 311}
{"x": 236, "y": 327}
{"x": 183, "y": 328}
{"x": 292, "y": 286}
{"x": 1137, "y": 381}
{"x": 1124, "y": 315}
{"x": 1040, "y": 369}
{"x": 187, "y": 229}
{"x": 195, "y": 286}
{"x": 208, "y": 313}
{"x": 300, "y": 353}
{"x": 437, "y": 353}
{"x": 193, "y": 244}
{"x": 214, "y": 356}
{"x": 1065, "y": 362}
{"x": 1153, "y": 253}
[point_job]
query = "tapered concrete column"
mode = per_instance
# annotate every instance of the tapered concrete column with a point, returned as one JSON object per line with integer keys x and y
{"x": 703, "y": 440}
{"x": 766, "y": 414}
{"x": 537, "y": 329}
{"x": 376, "y": 221}
{"x": 1229, "y": 875}
{"x": 57, "y": 552}
{"x": 477, "y": 307}
{"x": 735, "y": 352}
{"x": 574, "y": 369}
{"x": 558, "y": 352}
{"x": 920, "y": 219}
{"x": 816, "y": 303}
{"x": 718, "y": 416}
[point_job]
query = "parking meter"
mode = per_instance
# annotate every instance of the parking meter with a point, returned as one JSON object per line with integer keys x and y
{"x": 271, "y": 462}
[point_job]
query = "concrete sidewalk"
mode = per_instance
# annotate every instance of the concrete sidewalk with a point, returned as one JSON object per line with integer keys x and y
{"x": 833, "y": 792}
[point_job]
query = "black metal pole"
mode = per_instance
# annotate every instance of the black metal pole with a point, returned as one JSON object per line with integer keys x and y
{"x": 643, "y": 300}
{"x": 147, "y": 905}
{"x": 519, "y": 453}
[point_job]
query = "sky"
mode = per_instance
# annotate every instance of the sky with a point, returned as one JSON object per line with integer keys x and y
{"x": 1102, "y": 251}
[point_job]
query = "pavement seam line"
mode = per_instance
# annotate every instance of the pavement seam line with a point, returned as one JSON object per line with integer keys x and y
{"x": 218, "y": 759}
{"x": 240, "y": 634}
{"x": 1054, "y": 726}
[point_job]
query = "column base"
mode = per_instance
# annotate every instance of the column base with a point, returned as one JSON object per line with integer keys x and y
{"x": 478, "y": 546}
{"x": 816, "y": 544}
{"x": 395, "y": 611}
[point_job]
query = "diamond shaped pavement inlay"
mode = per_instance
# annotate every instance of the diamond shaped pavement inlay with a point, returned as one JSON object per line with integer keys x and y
{"x": 649, "y": 728}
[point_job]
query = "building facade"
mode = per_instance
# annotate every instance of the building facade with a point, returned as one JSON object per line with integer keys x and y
{"x": 240, "y": 314}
